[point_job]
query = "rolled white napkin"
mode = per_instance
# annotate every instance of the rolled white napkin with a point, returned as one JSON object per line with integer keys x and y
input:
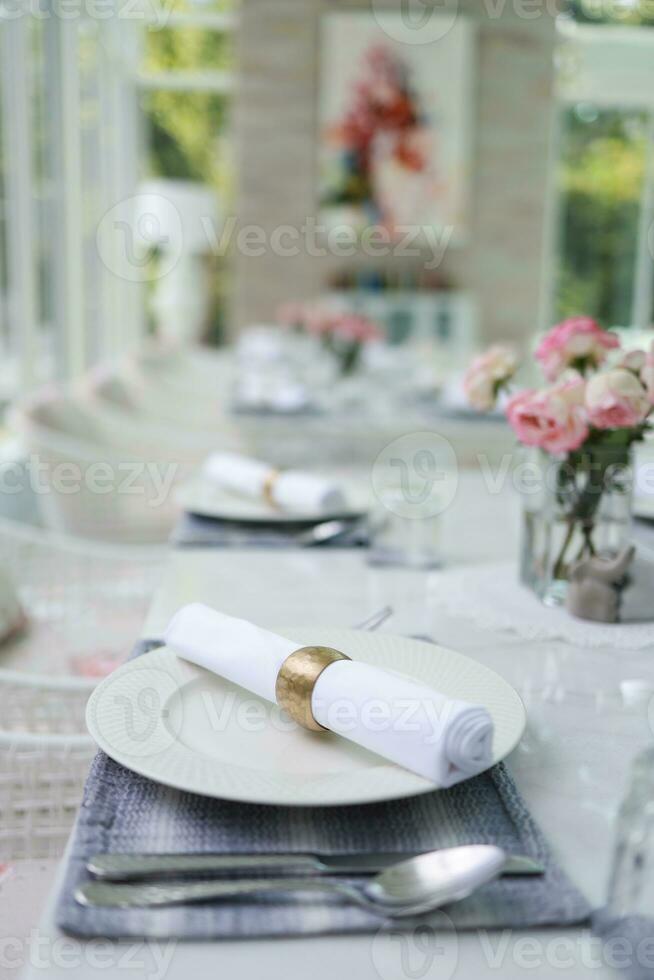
{"x": 291, "y": 490}
{"x": 411, "y": 724}
{"x": 253, "y": 392}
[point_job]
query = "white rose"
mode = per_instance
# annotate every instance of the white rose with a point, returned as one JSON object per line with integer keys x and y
{"x": 633, "y": 360}
{"x": 487, "y": 374}
{"x": 616, "y": 399}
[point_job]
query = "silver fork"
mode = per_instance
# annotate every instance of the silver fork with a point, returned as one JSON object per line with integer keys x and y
{"x": 377, "y": 619}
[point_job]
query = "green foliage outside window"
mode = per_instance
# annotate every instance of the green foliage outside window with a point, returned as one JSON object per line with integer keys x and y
{"x": 628, "y": 12}
{"x": 600, "y": 178}
{"x": 187, "y": 131}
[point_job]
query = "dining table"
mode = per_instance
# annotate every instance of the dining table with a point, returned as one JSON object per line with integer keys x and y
{"x": 571, "y": 765}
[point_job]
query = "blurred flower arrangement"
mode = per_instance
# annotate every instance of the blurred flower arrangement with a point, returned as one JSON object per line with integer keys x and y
{"x": 342, "y": 334}
{"x": 586, "y": 421}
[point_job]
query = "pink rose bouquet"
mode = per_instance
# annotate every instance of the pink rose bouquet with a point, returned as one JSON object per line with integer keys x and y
{"x": 586, "y": 406}
{"x": 346, "y": 334}
{"x": 343, "y": 333}
{"x": 586, "y": 419}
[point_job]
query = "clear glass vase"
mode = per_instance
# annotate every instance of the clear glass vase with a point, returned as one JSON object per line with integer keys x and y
{"x": 573, "y": 508}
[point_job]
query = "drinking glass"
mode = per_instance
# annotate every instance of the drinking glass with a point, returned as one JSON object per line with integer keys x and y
{"x": 631, "y": 884}
{"x": 412, "y": 541}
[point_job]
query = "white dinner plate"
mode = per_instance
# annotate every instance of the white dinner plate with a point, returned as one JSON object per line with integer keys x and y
{"x": 183, "y": 726}
{"x": 201, "y": 496}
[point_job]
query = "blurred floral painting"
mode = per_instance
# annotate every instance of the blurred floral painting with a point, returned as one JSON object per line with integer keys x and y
{"x": 394, "y": 124}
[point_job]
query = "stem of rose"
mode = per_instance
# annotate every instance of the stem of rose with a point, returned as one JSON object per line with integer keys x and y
{"x": 350, "y": 357}
{"x": 559, "y": 565}
{"x": 588, "y": 545}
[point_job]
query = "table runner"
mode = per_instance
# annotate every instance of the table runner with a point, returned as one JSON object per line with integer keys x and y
{"x": 122, "y": 811}
{"x": 491, "y": 597}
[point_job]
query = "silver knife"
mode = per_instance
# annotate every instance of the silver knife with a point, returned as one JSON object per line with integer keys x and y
{"x": 135, "y": 867}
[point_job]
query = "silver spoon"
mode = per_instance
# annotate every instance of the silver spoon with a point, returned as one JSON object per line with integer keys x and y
{"x": 324, "y": 532}
{"x": 410, "y": 887}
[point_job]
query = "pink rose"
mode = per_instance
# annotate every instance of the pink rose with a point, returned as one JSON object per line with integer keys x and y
{"x": 579, "y": 342}
{"x": 356, "y": 328}
{"x": 487, "y": 374}
{"x": 554, "y": 419}
{"x": 616, "y": 400}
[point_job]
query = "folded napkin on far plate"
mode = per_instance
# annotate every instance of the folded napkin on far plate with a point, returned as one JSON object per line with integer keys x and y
{"x": 122, "y": 811}
{"x": 442, "y": 739}
{"x": 291, "y": 490}
{"x": 253, "y": 394}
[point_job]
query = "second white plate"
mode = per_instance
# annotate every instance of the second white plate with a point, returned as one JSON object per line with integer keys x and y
{"x": 200, "y": 496}
{"x": 188, "y": 728}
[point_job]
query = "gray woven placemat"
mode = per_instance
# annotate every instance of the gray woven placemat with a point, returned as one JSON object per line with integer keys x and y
{"x": 630, "y": 940}
{"x": 193, "y": 530}
{"x": 122, "y": 811}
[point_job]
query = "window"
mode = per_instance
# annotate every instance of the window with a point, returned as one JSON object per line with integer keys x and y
{"x": 603, "y": 242}
{"x": 186, "y": 80}
{"x": 90, "y": 106}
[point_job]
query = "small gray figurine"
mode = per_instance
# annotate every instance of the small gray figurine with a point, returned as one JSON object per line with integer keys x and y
{"x": 596, "y": 584}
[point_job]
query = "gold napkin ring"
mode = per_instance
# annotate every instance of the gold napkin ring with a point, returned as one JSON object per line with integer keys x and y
{"x": 297, "y": 678}
{"x": 269, "y": 486}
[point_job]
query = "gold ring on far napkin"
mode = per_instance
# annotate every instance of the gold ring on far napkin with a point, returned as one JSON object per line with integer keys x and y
{"x": 297, "y": 678}
{"x": 269, "y": 486}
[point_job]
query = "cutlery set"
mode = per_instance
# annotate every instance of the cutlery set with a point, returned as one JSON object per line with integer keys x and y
{"x": 396, "y": 884}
